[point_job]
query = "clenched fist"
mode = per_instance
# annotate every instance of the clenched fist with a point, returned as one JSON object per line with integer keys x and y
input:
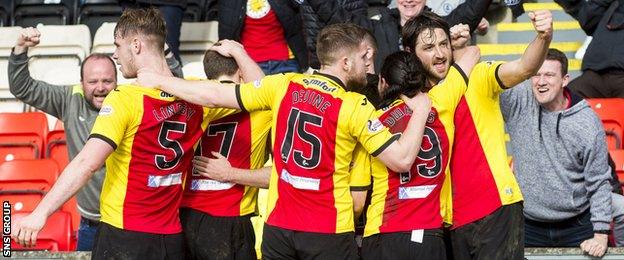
{"x": 28, "y": 37}
{"x": 542, "y": 22}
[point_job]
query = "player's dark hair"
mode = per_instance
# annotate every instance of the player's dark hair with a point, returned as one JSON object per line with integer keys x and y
{"x": 426, "y": 21}
{"x": 216, "y": 65}
{"x": 97, "y": 56}
{"x": 404, "y": 74}
{"x": 337, "y": 38}
{"x": 147, "y": 22}
{"x": 554, "y": 54}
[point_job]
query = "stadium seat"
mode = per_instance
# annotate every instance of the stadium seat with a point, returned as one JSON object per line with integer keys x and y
{"x": 196, "y": 38}
{"x": 55, "y": 236}
{"x": 34, "y": 175}
{"x": 618, "y": 159}
{"x": 21, "y": 201}
{"x": 609, "y": 111}
{"x": 94, "y": 13}
{"x": 56, "y": 147}
{"x": 7, "y": 41}
{"x": 60, "y": 47}
{"x": 29, "y": 13}
{"x": 194, "y": 70}
{"x": 103, "y": 41}
{"x": 22, "y": 135}
{"x": 210, "y": 11}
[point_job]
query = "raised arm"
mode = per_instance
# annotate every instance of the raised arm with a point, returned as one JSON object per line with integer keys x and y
{"x": 74, "y": 177}
{"x": 400, "y": 155}
{"x": 220, "y": 169}
{"x": 204, "y": 93}
{"x": 466, "y": 57}
{"x": 514, "y": 72}
{"x": 47, "y": 97}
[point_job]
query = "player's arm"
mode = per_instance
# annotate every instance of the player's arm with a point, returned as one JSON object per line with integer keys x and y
{"x": 250, "y": 70}
{"x": 203, "y": 93}
{"x": 514, "y": 72}
{"x": 466, "y": 57}
{"x": 47, "y": 97}
{"x": 219, "y": 169}
{"x": 400, "y": 155}
{"x": 75, "y": 175}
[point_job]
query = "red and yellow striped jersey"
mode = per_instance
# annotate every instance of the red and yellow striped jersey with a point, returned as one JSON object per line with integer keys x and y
{"x": 482, "y": 180}
{"x": 316, "y": 125}
{"x": 242, "y": 138}
{"x": 417, "y": 199}
{"x": 153, "y": 135}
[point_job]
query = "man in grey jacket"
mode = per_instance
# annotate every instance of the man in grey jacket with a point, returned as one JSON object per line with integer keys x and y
{"x": 77, "y": 106}
{"x": 560, "y": 161}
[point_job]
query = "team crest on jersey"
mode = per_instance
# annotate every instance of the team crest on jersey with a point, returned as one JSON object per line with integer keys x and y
{"x": 106, "y": 110}
{"x": 257, "y": 9}
{"x": 257, "y": 83}
{"x": 374, "y": 126}
{"x": 432, "y": 116}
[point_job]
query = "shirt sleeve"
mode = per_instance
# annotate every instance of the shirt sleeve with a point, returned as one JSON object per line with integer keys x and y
{"x": 260, "y": 94}
{"x": 360, "y": 173}
{"x": 484, "y": 78}
{"x": 114, "y": 118}
{"x": 367, "y": 128}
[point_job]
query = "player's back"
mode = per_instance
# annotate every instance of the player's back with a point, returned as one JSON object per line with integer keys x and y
{"x": 153, "y": 135}
{"x": 316, "y": 127}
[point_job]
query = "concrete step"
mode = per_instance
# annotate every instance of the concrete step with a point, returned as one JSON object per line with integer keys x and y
{"x": 568, "y": 31}
{"x": 517, "y": 49}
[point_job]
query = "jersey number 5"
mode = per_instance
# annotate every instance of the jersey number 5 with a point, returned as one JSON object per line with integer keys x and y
{"x": 170, "y": 144}
{"x": 299, "y": 119}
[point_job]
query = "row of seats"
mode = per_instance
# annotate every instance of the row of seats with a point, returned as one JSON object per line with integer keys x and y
{"x": 62, "y": 49}
{"x": 26, "y": 136}
{"x": 92, "y": 13}
{"x": 609, "y": 111}
{"x": 23, "y": 183}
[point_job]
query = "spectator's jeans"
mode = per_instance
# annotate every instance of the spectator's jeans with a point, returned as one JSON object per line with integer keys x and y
{"x": 86, "y": 234}
{"x": 279, "y": 66}
{"x": 568, "y": 233}
{"x": 173, "y": 20}
{"x": 617, "y": 207}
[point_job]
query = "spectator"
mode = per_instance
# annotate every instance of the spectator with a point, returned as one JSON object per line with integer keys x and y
{"x": 387, "y": 24}
{"x": 270, "y": 31}
{"x": 560, "y": 161}
{"x": 173, "y": 13}
{"x": 77, "y": 106}
{"x": 486, "y": 224}
{"x": 603, "y": 63}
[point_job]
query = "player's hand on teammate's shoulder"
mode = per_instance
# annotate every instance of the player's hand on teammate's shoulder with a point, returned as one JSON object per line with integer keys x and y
{"x": 25, "y": 230}
{"x": 217, "y": 168}
{"x": 420, "y": 103}
{"x": 542, "y": 22}
{"x": 28, "y": 37}
{"x": 460, "y": 36}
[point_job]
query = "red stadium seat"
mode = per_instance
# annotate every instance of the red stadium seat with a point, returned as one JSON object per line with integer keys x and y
{"x": 56, "y": 148}
{"x": 55, "y": 236}
{"x": 21, "y": 201}
{"x": 34, "y": 175}
{"x": 609, "y": 111}
{"x": 618, "y": 159}
{"x": 22, "y": 135}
